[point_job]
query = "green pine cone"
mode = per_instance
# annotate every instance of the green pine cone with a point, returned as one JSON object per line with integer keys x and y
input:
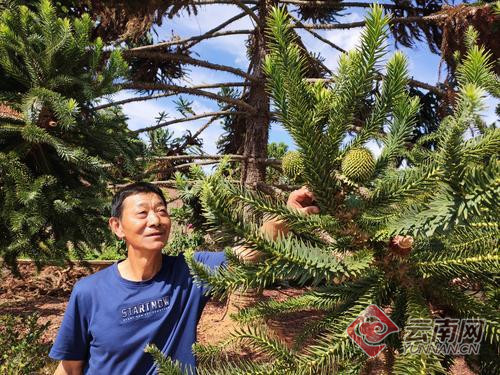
{"x": 358, "y": 164}
{"x": 292, "y": 165}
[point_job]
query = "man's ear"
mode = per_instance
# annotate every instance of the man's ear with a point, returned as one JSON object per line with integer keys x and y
{"x": 116, "y": 227}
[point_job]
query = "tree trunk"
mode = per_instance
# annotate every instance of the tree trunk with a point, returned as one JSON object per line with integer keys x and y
{"x": 257, "y": 126}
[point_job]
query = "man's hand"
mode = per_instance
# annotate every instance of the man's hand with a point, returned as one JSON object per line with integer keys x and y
{"x": 300, "y": 200}
{"x": 69, "y": 368}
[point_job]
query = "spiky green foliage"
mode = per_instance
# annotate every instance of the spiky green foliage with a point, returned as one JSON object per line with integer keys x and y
{"x": 275, "y": 151}
{"x": 165, "y": 365}
{"x": 52, "y": 173}
{"x": 292, "y": 165}
{"x": 347, "y": 254}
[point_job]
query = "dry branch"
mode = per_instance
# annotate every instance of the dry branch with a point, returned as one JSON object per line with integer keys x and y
{"x": 248, "y": 11}
{"x": 202, "y": 128}
{"x": 318, "y": 36}
{"x": 333, "y": 26}
{"x": 211, "y": 2}
{"x": 411, "y": 82}
{"x": 150, "y": 97}
{"x": 233, "y": 157}
{"x": 196, "y": 117}
{"x": 186, "y": 59}
{"x": 344, "y": 4}
{"x": 199, "y": 38}
{"x": 209, "y": 34}
{"x": 188, "y": 90}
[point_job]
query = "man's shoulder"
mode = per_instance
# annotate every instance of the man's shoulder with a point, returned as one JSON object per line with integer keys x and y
{"x": 90, "y": 282}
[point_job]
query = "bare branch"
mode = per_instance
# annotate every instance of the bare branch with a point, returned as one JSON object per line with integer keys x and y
{"x": 233, "y": 157}
{"x": 344, "y": 4}
{"x": 209, "y": 34}
{"x": 188, "y": 90}
{"x": 188, "y": 165}
{"x": 188, "y": 60}
{"x": 173, "y": 183}
{"x": 298, "y": 22}
{"x": 333, "y": 26}
{"x": 150, "y": 97}
{"x": 248, "y": 11}
{"x": 411, "y": 82}
{"x": 211, "y": 2}
{"x": 195, "y": 117}
{"x": 202, "y": 128}
{"x": 427, "y": 86}
{"x": 199, "y": 38}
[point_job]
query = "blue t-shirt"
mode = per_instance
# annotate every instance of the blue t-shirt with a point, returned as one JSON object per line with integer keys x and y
{"x": 109, "y": 320}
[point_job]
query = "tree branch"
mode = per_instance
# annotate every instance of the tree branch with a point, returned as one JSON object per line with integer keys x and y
{"x": 411, "y": 82}
{"x": 200, "y": 130}
{"x": 195, "y": 117}
{"x": 210, "y": 2}
{"x": 426, "y": 86}
{"x": 188, "y": 90}
{"x": 298, "y": 22}
{"x": 173, "y": 184}
{"x": 149, "y": 97}
{"x": 209, "y": 34}
{"x": 198, "y": 38}
{"x": 188, "y": 60}
{"x": 403, "y": 20}
{"x": 344, "y": 4}
{"x": 248, "y": 11}
{"x": 233, "y": 157}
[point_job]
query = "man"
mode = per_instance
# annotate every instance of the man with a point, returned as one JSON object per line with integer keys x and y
{"x": 146, "y": 298}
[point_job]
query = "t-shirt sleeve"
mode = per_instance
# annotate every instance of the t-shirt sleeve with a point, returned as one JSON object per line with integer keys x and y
{"x": 211, "y": 259}
{"x": 73, "y": 338}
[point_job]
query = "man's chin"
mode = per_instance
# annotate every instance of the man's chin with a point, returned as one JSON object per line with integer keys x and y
{"x": 156, "y": 246}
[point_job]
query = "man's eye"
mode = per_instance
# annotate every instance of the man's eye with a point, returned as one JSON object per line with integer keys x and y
{"x": 142, "y": 212}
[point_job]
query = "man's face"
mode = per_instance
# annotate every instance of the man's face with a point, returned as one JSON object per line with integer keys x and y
{"x": 144, "y": 223}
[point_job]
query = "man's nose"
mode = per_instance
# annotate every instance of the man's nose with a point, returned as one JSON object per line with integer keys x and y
{"x": 153, "y": 218}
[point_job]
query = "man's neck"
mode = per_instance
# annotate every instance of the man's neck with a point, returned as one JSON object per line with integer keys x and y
{"x": 140, "y": 265}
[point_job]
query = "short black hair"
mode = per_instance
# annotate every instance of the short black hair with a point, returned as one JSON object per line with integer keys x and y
{"x": 131, "y": 189}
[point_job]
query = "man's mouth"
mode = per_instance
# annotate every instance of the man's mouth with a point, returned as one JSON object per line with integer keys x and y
{"x": 157, "y": 234}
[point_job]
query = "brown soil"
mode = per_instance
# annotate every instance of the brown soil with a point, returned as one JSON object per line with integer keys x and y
{"x": 47, "y": 292}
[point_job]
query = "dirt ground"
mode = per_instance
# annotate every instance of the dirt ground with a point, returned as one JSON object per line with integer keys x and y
{"x": 47, "y": 293}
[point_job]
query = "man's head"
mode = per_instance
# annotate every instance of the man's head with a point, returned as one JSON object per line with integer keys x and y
{"x": 139, "y": 216}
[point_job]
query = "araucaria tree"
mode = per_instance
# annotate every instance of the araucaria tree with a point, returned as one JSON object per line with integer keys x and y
{"x": 54, "y": 145}
{"x": 420, "y": 242}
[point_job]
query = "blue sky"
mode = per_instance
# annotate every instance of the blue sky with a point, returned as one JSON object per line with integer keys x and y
{"x": 230, "y": 50}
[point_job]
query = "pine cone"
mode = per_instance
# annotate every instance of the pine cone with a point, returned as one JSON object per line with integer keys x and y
{"x": 401, "y": 245}
{"x": 292, "y": 165}
{"x": 358, "y": 164}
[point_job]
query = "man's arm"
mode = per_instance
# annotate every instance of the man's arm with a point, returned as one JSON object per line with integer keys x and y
{"x": 69, "y": 368}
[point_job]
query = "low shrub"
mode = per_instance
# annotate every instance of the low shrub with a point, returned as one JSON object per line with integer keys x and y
{"x": 21, "y": 346}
